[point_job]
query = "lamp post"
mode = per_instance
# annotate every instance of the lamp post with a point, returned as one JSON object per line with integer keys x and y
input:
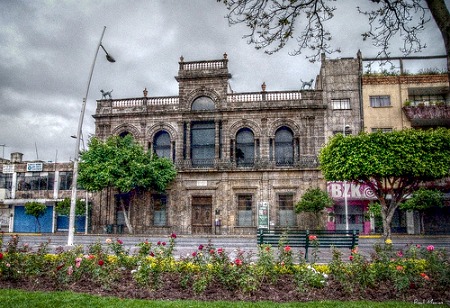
{"x": 77, "y": 144}
{"x": 86, "y": 198}
{"x": 345, "y": 185}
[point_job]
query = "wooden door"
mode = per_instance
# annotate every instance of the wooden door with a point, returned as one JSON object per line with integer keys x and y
{"x": 201, "y": 215}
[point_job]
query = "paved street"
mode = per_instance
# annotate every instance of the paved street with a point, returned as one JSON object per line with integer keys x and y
{"x": 186, "y": 244}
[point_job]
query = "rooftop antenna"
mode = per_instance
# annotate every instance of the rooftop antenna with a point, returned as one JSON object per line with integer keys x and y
{"x": 3, "y": 152}
{"x": 37, "y": 155}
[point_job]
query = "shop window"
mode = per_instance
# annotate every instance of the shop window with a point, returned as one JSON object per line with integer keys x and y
{"x": 287, "y": 217}
{"x": 245, "y": 210}
{"x": 159, "y": 203}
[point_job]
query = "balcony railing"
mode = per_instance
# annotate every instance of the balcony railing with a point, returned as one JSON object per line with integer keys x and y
{"x": 302, "y": 162}
{"x": 431, "y": 115}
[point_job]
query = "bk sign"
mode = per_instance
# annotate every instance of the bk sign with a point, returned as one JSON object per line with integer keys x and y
{"x": 354, "y": 191}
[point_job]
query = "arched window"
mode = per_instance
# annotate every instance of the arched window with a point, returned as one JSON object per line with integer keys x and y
{"x": 245, "y": 147}
{"x": 123, "y": 134}
{"x": 203, "y": 103}
{"x": 284, "y": 146}
{"x": 161, "y": 145}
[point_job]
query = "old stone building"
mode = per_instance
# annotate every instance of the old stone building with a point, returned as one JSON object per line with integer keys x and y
{"x": 243, "y": 159}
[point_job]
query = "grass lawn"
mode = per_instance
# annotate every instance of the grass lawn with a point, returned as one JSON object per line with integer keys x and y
{"x": 25, "y": 299}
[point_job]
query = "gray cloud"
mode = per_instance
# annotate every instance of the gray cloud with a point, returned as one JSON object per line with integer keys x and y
{"x": 47, "y": 48}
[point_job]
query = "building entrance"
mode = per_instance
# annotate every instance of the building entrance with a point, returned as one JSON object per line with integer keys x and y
{"x": 201, "y": 220}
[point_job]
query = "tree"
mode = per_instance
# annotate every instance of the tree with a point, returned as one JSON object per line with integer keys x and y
{"x": 272, "y": 23}
{"x": 121, "y": 163}
{"x": 421, "y": 200}
{"x": 392, "y": 164}
{"x": 314, "y": 201}
{"x": 37, "y": 210}
{"x": 63, "y": 207}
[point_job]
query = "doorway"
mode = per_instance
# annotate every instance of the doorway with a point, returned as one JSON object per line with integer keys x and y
{"x": 201, "y": 220}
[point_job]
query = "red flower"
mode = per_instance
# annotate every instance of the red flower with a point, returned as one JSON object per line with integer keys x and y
{"x": 159, "y": 243}
{"x": 152, "y": 254}
{"x": 119, "y": 242}
{"x": 220, "y": 251}
{"x": 173, "y": 235}
{"x": 200, "y": 247}
{"x": 430, "y": 248}
{"x": 211, "y": 251}
{"x": 287, "y": 249}
{"x": 1, "y": 256}
{"x": 313, "y": 238}
{"x": 238, "y": 262}
{"x": 101, "y": 262}
{"x": 399, "y": 268}
{"x": 424, "y": 276}
{"x": 350, "y": 258}
{"x": 163, "y": 243}
{"x": 194, "y": 254}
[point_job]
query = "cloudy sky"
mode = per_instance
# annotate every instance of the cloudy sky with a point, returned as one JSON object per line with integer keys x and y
{"x": 47, "y": 48}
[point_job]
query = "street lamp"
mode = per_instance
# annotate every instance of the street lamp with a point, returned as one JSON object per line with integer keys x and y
{"x": 77, "y": 144}
{"x": 344, "y": 130}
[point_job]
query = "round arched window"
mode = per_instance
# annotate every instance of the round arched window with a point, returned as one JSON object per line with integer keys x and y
{"x": 203, "y": 103}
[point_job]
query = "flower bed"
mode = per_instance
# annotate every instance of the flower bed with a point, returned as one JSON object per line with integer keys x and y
{"x": 210, "y": 273}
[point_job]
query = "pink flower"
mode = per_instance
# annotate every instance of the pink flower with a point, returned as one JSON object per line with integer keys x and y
{"x": 287, "y": 249}
{"x": 430, "y": 248}
{"x": 400, "y": 253}
{"x": 78, "y": 262}
{"x": 211, "y": 251}
{"x": 238, "y": 262}
{"x": 418, "y": 246}
{"x": 173, "y": 235}
{"x": 200, "y": 247}
{"x": 313, "y": 238}
{"x": 194, "y": 254}
{"x": 163, "y": 243}
{"x": 220, "y": 251}
{"x": 119, "y": 242}
{"x": 70, "y": 270}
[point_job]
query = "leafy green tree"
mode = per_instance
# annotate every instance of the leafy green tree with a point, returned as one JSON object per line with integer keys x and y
{"x": 314, "y": 200}
{"x": 121, "y": 163}
{"x": 63, "y": 207}
{"x": 392, "y": 164}
{"x": 37, "y": 210}
{"x": 273, "y": 23}
{"x": 421, "y": 200}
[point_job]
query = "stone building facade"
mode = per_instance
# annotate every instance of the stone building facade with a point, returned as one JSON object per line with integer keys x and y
{"x": 243, "y": 159}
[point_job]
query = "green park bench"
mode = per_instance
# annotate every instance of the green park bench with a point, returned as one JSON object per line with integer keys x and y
{"x": 301, "y": 238}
